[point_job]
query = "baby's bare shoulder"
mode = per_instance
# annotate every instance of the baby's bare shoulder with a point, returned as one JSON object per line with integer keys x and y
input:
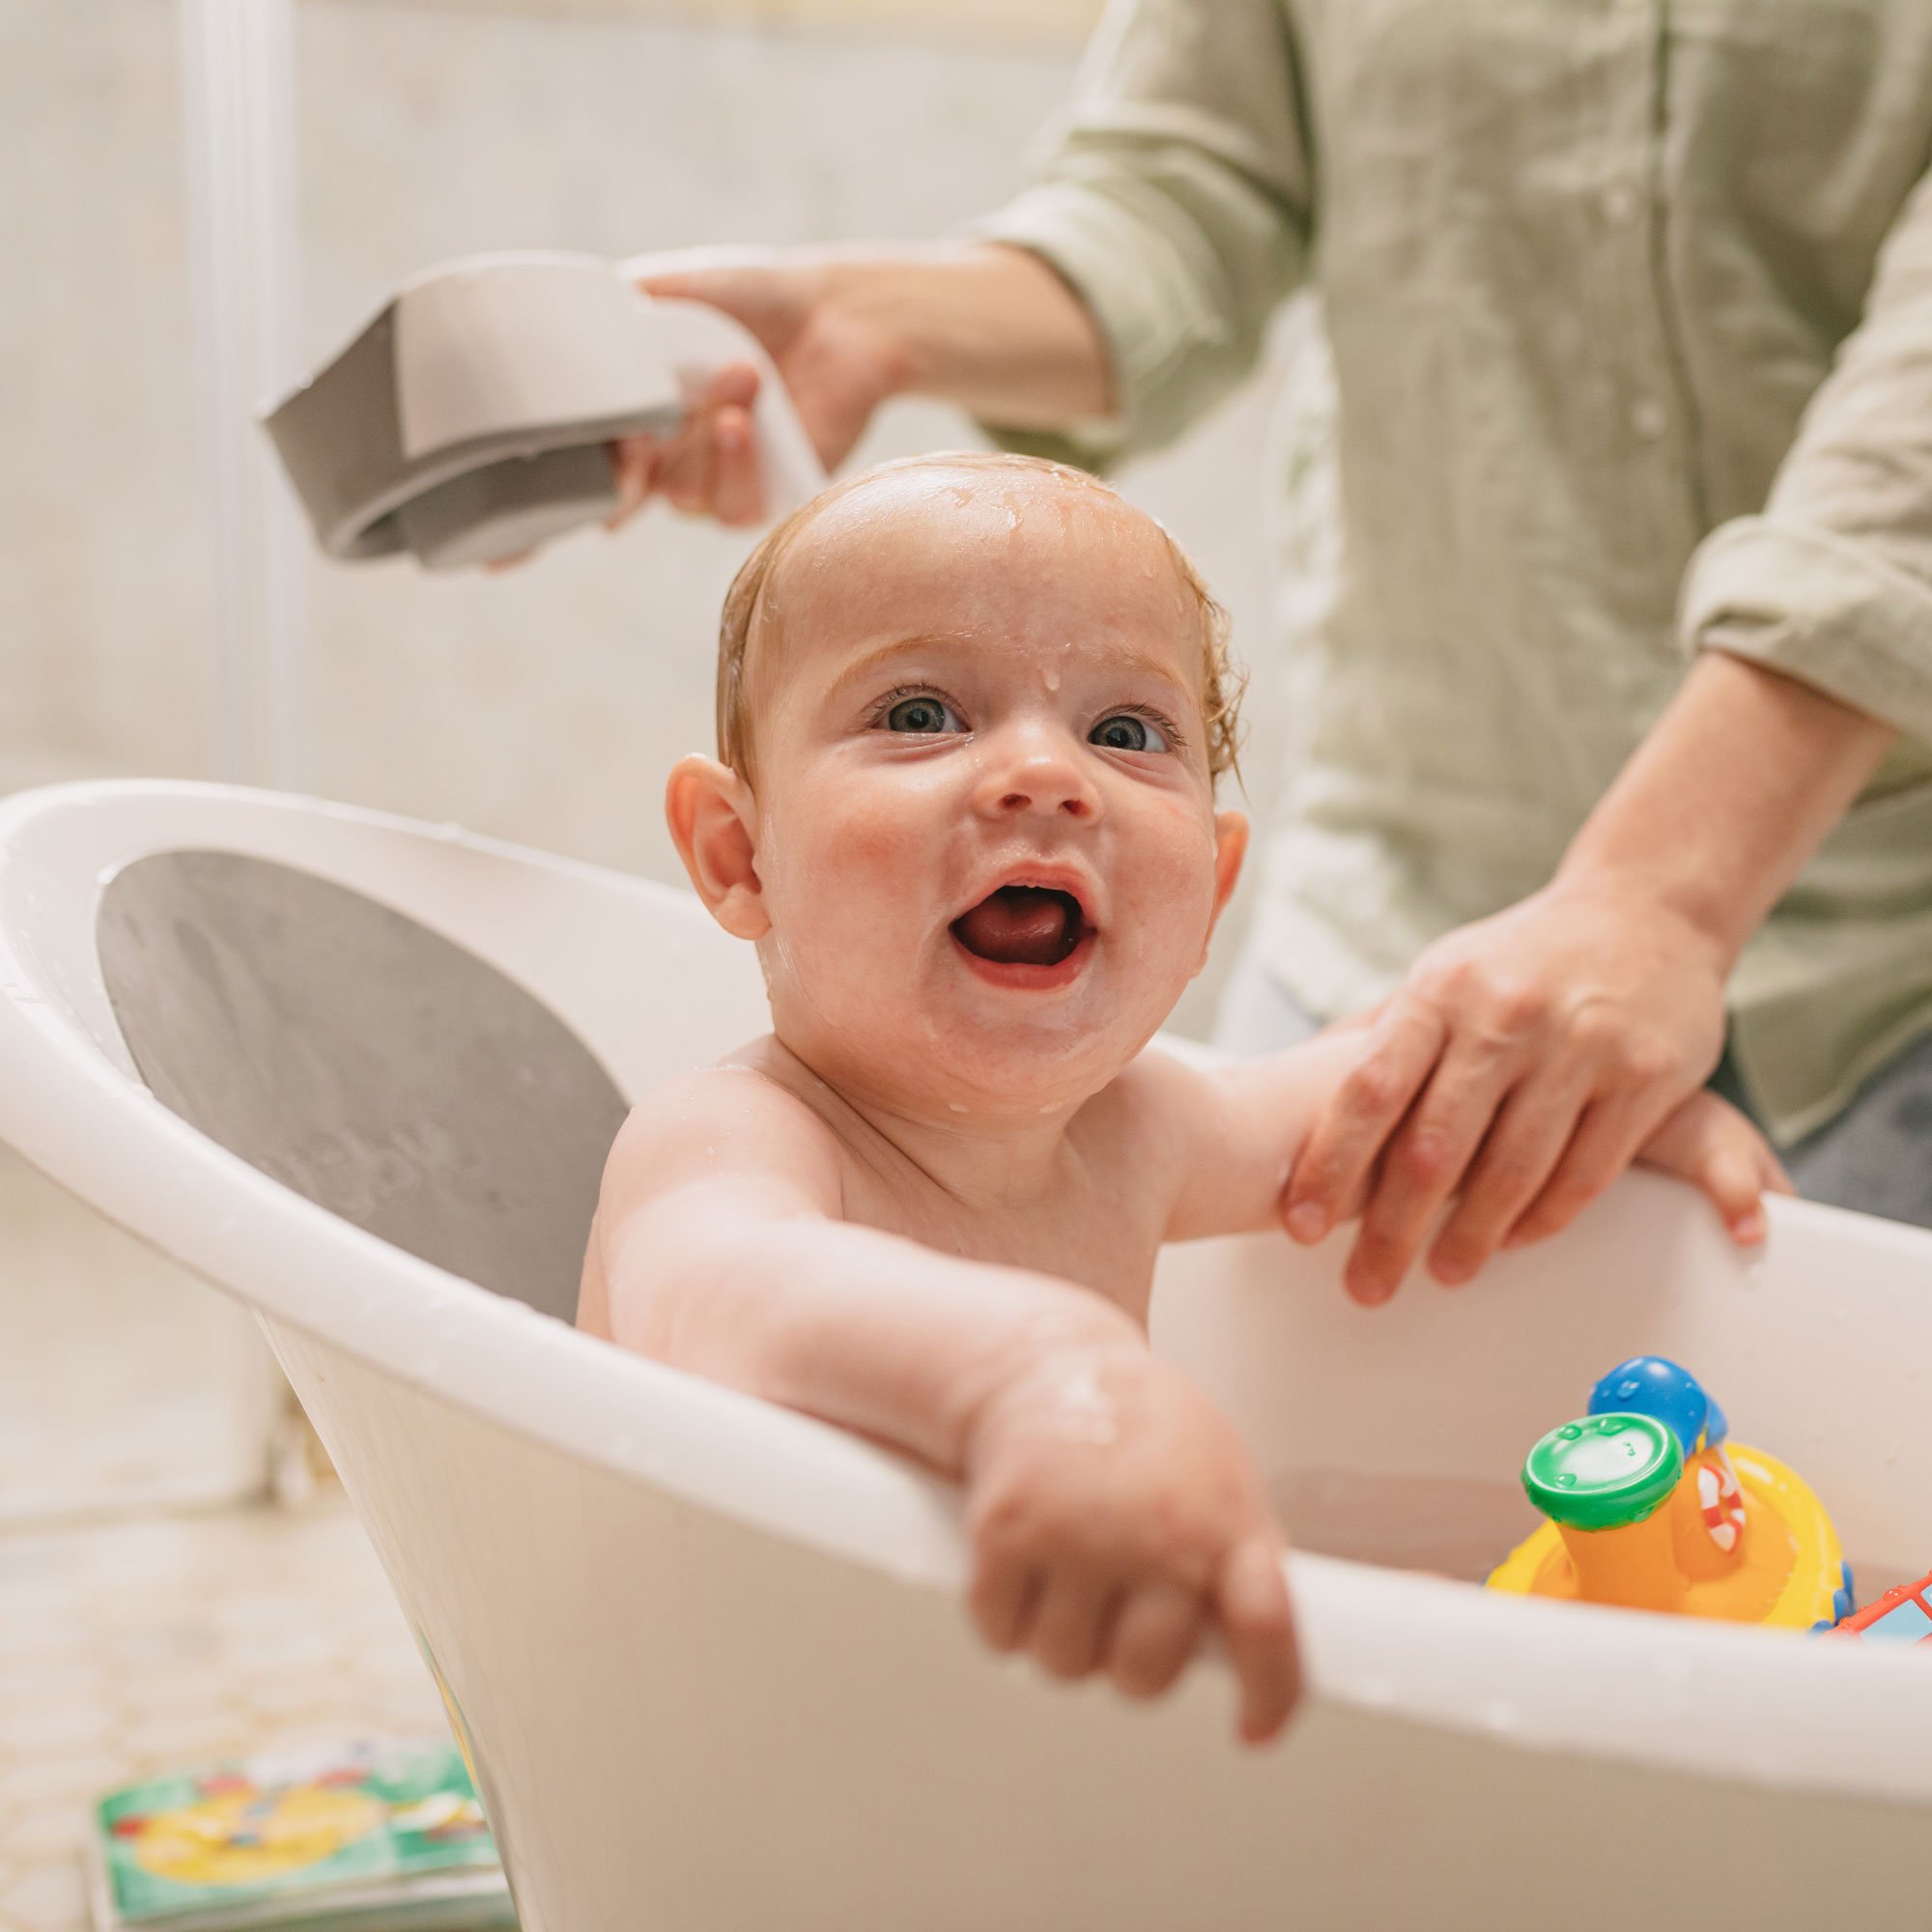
{"x": 732, "y": 1122}
{"x": 1150, "y": 1111}
{"x": 721, "y": 1148}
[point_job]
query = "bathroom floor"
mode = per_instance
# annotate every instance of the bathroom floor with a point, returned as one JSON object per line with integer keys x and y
{"x": 141, "y": 1645}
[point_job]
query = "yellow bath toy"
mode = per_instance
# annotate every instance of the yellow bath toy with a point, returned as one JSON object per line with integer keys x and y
{"x": 1650, "y": 1509}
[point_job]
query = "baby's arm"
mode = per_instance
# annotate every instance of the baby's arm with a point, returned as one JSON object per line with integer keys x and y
{"x": 1113, "y": 1512}
{"x": 1242, "y": 1125}
{"x": 1239, "y": 1127}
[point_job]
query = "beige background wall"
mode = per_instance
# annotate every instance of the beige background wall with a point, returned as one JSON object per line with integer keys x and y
{"x": 1038, "y": 21}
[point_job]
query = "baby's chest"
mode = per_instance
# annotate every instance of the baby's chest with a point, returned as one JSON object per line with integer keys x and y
{"x": 1104, "y": 1237}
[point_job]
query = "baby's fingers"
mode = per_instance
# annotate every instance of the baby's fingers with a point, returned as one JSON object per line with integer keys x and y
{"x": 1736, "y": 1188}
{"x": 1153, "y": 1639}
{"x": 1251, "y": 1602}
{"x": 1713, "y": 1146}
{"x": 1003, "y": 1594}
{"x": 1073, "y": 1623}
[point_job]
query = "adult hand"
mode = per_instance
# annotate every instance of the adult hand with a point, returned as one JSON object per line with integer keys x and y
{"x": 1520, "y": 1067}
{"x": 1114, "y": 1518}
{"x": 839, "y": 360}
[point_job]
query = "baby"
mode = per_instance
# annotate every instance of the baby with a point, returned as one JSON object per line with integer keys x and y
{"x": 970, "y": 712}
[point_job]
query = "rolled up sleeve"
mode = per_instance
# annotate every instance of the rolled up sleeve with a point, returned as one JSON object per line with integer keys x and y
{"x": 1833, "y": 583}
{"x": 1173, "y": 197}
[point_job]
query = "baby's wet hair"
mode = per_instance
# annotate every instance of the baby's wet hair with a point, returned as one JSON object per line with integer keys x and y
{"x": 1223, "y": 681}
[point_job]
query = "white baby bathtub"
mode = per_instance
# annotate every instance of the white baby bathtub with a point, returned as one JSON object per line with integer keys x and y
{"x": 711, "y": 1656}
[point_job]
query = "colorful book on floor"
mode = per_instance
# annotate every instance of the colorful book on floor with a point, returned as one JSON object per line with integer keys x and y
{"x": 372, "y": 1837}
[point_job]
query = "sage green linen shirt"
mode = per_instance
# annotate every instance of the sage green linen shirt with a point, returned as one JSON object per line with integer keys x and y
{"x": 1631, "y": 309}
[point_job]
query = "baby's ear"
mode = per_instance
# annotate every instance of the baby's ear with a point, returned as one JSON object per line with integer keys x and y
{"x": 1231, "y": 846}
{"x": 709, "y": 809}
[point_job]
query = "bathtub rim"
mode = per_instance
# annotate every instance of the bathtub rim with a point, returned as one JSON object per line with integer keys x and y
{"x": 92, "y": 1126}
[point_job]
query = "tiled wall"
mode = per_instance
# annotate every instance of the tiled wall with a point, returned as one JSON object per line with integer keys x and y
{"x": 544, "y": 705}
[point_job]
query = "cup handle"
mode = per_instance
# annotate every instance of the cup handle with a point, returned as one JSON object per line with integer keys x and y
{"x": 697, "y": 340}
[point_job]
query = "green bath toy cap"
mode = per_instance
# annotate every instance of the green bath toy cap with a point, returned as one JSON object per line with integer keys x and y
{"x": 1605, "y": 1471}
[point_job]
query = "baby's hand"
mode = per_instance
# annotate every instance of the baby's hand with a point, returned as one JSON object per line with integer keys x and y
{"x": 1115, "y": 1517}
{"x": 1708, "y": 1142}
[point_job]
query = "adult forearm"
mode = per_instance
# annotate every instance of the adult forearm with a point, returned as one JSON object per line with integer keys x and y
{"x": 1734, "y": 789}
{"x": 988, "y": 327}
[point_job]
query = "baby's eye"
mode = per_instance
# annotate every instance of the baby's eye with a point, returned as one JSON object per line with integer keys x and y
{"x": 925, "y": 715}
{"x": 1127, "y": 731}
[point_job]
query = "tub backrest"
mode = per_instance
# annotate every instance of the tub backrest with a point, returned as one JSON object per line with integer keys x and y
{"x": 372, "y": 1064}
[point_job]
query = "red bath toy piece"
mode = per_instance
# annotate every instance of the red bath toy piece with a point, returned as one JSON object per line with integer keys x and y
{"x": 1901, "y": 1616}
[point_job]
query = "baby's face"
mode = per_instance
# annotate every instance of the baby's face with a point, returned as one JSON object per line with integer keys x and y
{"x": 983, "y": 826}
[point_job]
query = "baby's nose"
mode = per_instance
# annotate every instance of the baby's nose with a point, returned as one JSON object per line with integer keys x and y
{"x": 1039, "y": 778}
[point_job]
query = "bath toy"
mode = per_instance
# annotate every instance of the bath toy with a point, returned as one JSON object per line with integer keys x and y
{"x": 1651, "y": 1507}
{"x": 1901, "y": 1616}
{"x": 467, "y": 419}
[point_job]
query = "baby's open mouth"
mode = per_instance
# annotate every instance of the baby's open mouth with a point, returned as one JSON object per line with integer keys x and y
{"x": 1022, "y": 925}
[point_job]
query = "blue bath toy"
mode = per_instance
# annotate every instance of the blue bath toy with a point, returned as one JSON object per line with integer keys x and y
{"x": 1649, "y": 1385}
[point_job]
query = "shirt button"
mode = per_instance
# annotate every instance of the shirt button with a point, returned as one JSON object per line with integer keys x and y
{"x": 1620, "y": 205}
{"x": 1649, "y": 420}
